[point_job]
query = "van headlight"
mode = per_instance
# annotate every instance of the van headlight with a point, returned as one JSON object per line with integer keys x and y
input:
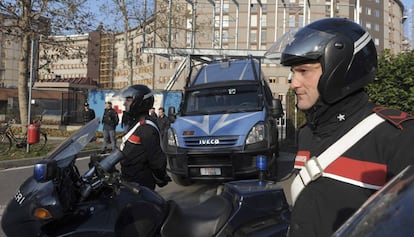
{"x": 256, "y": 134}
{"x": 172, "y": 138}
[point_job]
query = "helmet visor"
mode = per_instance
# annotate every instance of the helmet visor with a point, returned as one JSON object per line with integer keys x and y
{"x": 300, "y": 46}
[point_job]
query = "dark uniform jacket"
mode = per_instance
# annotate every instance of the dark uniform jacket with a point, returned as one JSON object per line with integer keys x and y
{"x": 163, "y": 123}
{"x": 110, "y": 119}
{"x": 326, "y": 203}
{"x": 88, "y": 115}
{"x": 143, "y": 156}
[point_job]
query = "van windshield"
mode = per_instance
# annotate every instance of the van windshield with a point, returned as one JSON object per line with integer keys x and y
{"x": 242, "y": 70}
{"x": 230, "y": 99}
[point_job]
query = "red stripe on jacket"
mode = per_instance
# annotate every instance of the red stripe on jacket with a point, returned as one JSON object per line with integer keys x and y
{"x": 362, "y": 171}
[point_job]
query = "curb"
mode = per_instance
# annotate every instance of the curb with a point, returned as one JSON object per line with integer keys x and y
{"x": 7, "y": 164}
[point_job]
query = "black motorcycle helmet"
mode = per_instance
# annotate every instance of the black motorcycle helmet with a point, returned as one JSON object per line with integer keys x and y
{"x": 142, "y": 96}
{"x": 344, "y": 49}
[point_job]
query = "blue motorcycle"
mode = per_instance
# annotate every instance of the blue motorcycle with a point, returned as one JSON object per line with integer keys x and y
{"x": 58, "y": 201}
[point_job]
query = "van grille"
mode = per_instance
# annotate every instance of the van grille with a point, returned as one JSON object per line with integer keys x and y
{"x": 213, "y": 141}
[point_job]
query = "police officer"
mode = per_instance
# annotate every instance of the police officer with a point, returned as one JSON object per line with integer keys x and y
{"x": 144, "y": 162}
{"x": 88, "y": 113}
{"x": 331, "y": 60}
{"x": 110, "y": 120}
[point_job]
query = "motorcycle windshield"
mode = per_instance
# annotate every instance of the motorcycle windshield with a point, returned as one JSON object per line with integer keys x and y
{"x": 66, "y": 152}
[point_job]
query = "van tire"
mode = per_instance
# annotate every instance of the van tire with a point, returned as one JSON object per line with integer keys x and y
{"x": 180, "y": 180}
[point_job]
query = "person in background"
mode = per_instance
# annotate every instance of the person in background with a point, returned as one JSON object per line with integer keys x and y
{"x": 162, "y": 121}
{"x": 144, "y": 161}
{"x": 349, "y": 147}
{"x": 88, "y": 113}
{"x": 110, "y": 120}
{"x": 152, "y": 113}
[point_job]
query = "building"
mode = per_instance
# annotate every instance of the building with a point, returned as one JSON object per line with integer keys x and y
{"x": 159, "y": 49}
{"x": 9, "y": 56}
{"x": 233, "y": 27}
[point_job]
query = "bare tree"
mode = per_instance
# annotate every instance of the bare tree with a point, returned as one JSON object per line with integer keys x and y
{"x": 132, "y": 14}
{"x": 30, "y": 19}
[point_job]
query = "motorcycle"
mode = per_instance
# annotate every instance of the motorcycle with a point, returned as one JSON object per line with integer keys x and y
{"x": 58, "y": 201}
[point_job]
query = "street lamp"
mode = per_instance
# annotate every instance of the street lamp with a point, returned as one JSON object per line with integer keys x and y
{"x": 33, "y": 54}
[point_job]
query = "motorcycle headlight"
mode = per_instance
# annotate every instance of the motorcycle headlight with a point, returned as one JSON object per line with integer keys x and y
{"x": 256, "y": 134}
{"x": 172, "y": 137}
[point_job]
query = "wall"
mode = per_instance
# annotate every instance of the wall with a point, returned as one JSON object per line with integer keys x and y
{"x": 97, "y": 99}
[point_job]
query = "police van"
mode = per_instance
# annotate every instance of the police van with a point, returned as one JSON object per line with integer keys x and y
{"x": 227, "y": 118}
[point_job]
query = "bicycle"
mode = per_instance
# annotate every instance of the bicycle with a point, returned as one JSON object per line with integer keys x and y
{"x": 8, "y": 137}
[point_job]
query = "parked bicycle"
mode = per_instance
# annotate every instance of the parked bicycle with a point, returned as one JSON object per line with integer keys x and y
{"x": 8, "y": 137}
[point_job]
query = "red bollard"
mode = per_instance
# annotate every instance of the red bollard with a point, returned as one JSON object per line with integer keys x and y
{"x": 33, "y": 133}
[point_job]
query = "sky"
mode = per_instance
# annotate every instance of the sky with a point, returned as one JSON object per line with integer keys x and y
{"x": 407, "y": 4}
{"x": 102, "y": 15}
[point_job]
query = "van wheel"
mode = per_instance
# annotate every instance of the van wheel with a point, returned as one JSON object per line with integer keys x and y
{"x": 180, "y": 180}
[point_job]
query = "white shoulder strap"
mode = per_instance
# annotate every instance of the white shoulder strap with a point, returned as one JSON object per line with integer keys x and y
{"x": 316, "y": 165}
{"x": 131, "y": 131}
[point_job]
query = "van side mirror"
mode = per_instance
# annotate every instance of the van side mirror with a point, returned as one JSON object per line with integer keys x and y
{"x": 277, "y": 108}
{"x": 172, "y": 115}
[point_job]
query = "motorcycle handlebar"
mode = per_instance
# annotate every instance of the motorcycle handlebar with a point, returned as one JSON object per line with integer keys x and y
{"x": 107, "y": 163}
{"x": 110, "y": 161}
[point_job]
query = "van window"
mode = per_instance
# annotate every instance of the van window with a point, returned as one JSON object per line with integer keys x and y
{"x": 227, "y": 71}
{"x": 232, "y": 99}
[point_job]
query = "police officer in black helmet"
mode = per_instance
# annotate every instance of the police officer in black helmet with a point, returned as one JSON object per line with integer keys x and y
{"x": 144, "y": 162}
{"x": 339, "y": 166}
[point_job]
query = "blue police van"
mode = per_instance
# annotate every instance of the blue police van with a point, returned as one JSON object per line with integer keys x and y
{"x": 227, "y": 118}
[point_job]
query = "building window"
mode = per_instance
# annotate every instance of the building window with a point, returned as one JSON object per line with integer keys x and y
{"x": 300, "y": 20}
{"x": 217, "y": 21}
{"x": 253, "y": 21}
{"x": 263, "y": 21}
{"x": 226, "y": 21}
{"x": 225, "y": 36}
{"x": 264, "y": 36}
{"x": 253, "y": 36}
{"x": 291, "y": 21}
{"x": 189, "y": 37}
{"x": 273, "y": 80}
{"x": 226, "y": 6}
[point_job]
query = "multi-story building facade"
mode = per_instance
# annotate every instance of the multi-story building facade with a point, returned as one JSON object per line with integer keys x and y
{"x": 234, "y": 27}
{"x": 9, "y": 56}
{"x": 226, "y": 27}
{"x": 207, "y": 28}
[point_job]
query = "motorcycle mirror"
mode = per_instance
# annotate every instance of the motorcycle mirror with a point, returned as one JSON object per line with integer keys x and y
{"x": 45, "y": 170}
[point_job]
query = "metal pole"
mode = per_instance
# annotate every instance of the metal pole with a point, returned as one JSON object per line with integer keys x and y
{"x": 29, "y": 106}
{"x": 169, "y": 23}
